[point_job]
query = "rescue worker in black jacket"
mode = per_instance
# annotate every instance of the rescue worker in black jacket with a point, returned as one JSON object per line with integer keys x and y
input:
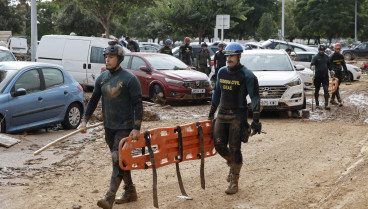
{"x": 322, "y": 66}
{"x": 186, "y": 52}
{"x": 219, "y": 60}
{"x": 121, "y": 95}
{"x": 203, "y": 60}
{"x": 234, "y": 83}
{"x": 132, "y": 45}
{"x": 338, "y": 65}
{"x": 167, "y": 48}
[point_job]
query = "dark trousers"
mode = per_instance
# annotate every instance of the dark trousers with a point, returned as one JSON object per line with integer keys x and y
{"x": 228, "y": 134}
{"x": 338, "y": 75}
{"x": 113, "y": 138}
{"x": 318, "y": 81}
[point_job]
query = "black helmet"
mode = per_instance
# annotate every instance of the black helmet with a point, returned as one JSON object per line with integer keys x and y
{"x": 115, "y": 49}
{"x": 221, "y": 45}
{"x": 204, "y": 44}
{"x": 321, "y": 47}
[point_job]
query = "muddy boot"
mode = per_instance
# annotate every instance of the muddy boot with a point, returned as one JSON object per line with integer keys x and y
{"x": 233, "y": 186}
{"x": 107, "y": 202}
{"x": 129, "y": 195}
{"x": 340, "y": 103}
{"x": 317, "y": 104}
{"x": 333, "y": 102}
{"x": 228, "y": 178}
{"x": 326, "y": 104}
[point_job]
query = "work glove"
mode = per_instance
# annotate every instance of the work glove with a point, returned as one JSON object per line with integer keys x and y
{"x": 256, "y": 127}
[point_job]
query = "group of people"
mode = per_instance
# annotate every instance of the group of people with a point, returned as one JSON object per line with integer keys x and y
{"x": 336, "y": 65}
{"x": 122, "y": 109}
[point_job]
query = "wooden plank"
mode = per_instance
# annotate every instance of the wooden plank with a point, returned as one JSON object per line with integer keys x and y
{"x": 8, "y": 141}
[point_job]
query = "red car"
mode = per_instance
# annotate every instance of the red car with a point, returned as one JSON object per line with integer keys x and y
{"x": 167, "y": 76}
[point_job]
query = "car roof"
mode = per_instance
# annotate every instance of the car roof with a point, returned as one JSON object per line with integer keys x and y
{"x": 18, "y": 65}
{"x": 304, "y": 52}
{"x": 264, "y": 51}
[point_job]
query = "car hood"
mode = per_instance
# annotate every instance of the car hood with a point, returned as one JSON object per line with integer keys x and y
{"x": 275, "y": 78}
{"x": 185, "y": 75}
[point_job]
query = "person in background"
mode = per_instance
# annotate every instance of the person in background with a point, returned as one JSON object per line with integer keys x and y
{"x": 186, "y": 52}
{"x": 203, "y": 61}
{"x": 132, "y": 45}
{"x": 167, "y": 48}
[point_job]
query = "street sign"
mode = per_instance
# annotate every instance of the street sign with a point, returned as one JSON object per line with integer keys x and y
{"x": 223, "y": 21}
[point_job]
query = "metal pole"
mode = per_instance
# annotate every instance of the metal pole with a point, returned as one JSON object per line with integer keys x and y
{"x": 356, "y": 20}
{"x": 33, "y": 29}
{"x": 283, "y": 20}
{"x": 222, "y": 29}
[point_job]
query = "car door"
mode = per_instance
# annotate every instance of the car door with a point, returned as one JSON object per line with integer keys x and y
{"x": 55, "y": 93}
{"x": 75, "y": 57}
{"x": 95, "y": 62}
{"x": 28, "y": 108}
{"x": 362, "y": 50}
{"x": 144, "y": 77}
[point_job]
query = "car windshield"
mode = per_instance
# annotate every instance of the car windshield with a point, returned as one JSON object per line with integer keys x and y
{"x": 5, "y": 76}
{"x": 166, "y": 63}
{"x": 6, "y": 56}
{"x": 266, "y": 62}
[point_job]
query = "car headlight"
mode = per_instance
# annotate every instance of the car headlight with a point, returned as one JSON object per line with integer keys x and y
{"x": 173, "y": 81}
{"x": 295, "y": 82}
{"x": 357, "y": 69}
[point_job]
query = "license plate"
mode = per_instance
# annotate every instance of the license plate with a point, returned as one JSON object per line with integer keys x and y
{"x": 198, "y": 91}
{"x": 269, "y": 102}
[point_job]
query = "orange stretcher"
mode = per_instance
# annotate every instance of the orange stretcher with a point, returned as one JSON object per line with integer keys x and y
{"x": 172, "y": 145}
{"x": 167, "y": 143}
{"x": 333, "y": 85}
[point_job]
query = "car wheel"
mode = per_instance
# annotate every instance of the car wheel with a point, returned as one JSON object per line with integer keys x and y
{"x": 158, "y": 94}
{"x": 304, "y": 103}
{"x": 351, "y": 76}
{"x": 72, "y": 117}
{"x": 348, "y": 56}
{"x": 2, "y": 124}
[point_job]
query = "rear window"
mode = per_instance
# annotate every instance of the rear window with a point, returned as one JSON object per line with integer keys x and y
{"x": 53, "y": 77}
{"x": 6, "y": 56}
{"x": 166, "y": 62}
{"x": 266, "y": 62}
{"x": 97, "y": 55}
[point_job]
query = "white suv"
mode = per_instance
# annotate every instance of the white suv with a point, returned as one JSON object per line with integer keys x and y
{"x": 280, "y": 85}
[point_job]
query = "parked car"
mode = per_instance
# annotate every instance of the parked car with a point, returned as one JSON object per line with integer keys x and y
{"x": 278, "y": 44}
{"x": 34, "y": 95}
{"x": 6, "y": 55}
{"x": 18, "y": 45}
{"x": 252, "y": 45}
{"x": 360, "y": 51}
{"x": 149, "y": 47}
{"x": 305, "y": 59}
{"x": 81, "y": 56}
{"x": 162, "y": 74}
{"x": 280, "y": 86}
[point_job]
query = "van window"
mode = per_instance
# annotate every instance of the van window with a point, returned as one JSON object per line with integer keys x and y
{"x": 30, "y": 81}
{"x": 125, "y": 62}
{"x": 97, "y": 55}
{"x": 53, "y": 77}
{"x": 137, "y": 63}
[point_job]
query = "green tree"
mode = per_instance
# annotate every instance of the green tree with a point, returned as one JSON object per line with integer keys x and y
{"x": 198, "y": 17}
{"x": 71, "y": 19}
{"x": 105, "y": 10}
{"x": 267, "y": 27}
{"x": 291, "y": 31}
{"x": 9, "y": 17}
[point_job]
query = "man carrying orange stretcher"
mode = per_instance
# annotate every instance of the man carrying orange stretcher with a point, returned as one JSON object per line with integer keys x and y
{"x": 234, "y": 82}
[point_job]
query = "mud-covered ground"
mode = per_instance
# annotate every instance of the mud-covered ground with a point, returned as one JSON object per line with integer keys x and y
{"x": 320, "y": 162}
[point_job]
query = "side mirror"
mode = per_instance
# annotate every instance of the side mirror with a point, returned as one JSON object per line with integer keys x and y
{"x": 20, "y": 92}
{"x": 145, "y": 69}
{"x": 299, "y": 67}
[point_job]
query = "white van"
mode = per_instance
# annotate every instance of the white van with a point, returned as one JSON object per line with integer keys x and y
{"x": 81, "y": 56}
{"x": 18, "y": 45}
